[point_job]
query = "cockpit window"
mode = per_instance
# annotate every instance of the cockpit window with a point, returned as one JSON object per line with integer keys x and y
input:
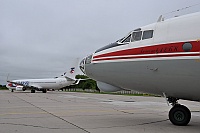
{"x": 115, "y": 44}
{"x": 88, "y": 59}
{"x": 120, "y": 40}
{"x": 127, "y": 39}
{"x": 82, "y": 65}
{"x": 136, "y": 36}
{"x": 147, "y": 34}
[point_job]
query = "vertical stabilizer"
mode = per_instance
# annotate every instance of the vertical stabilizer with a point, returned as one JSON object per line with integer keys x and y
{"x": 72, "y": 71}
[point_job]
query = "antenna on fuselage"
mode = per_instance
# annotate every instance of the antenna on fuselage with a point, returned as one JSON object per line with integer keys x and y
{"x": 161, "y": 18}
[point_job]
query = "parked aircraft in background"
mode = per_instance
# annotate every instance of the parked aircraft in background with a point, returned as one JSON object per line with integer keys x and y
{"x": 161, "y": 58}
{"x": 46, "y": 83}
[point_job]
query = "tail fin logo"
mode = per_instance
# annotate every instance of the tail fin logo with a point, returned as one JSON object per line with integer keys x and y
{"x": 72, "y": 70}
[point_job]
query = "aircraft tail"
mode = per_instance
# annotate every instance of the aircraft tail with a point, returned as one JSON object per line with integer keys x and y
{"x": 72, "y": 72}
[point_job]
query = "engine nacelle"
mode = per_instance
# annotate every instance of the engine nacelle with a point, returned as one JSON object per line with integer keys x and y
{"x": 19, "y": 88}
{"x": 107, "y": 87}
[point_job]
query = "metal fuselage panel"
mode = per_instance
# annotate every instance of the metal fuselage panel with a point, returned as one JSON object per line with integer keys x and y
{"x": 176, "y": 78}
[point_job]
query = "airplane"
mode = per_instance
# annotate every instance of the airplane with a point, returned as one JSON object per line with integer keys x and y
{"x": 44, "y": 84}
{"x": 162, "y": 58}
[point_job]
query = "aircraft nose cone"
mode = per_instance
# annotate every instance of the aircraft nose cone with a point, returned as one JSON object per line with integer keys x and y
{"x": 82, "y": 65}
{"x": 7, "y": 86}
{"x": 86, "y": 61}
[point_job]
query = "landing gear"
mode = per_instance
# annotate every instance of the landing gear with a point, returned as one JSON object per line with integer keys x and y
{"x": 12, "y": 90}
{"x": 179, "y": 115}
{"x": 32, "y": 91}
{"x": 44, "y": 91}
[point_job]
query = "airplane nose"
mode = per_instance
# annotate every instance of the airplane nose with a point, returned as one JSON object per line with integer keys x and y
{"x": 87, "y": 60}
{"x": 82, "y": 65}
{"x": 9, "y": 85}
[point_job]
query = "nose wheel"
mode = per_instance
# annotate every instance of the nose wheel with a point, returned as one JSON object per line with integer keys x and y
{"x": 179, "y": 115}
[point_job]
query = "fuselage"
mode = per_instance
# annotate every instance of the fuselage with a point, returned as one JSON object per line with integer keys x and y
{"x": 160, "y": 58}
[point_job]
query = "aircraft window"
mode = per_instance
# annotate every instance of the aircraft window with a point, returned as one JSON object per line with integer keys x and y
{"x": 136, "y": 36}
{"x": 138, "y": 29}
{"x": 147, "y": 34}
{"x": 120, "y": 40}
{"x": 127, "y": 39}
{"x": 88, "y": 59}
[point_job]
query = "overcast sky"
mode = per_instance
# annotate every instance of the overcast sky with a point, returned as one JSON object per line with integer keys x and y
{"x": 41, "y": 38}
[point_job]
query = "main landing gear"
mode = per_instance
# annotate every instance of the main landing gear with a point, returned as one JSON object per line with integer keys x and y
{"x": 179, "y": 115}
{"x": 44, "y": 91}
{"x": 32, "y": 91}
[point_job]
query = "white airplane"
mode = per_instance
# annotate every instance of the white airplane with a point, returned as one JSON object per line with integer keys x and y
{"x": 161, "y": 58}
{"x": 45, "y": 84}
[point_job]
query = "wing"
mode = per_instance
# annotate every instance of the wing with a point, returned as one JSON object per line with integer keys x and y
{"x": 34, "y": 87}
{"x": 78, "y": 80}
{"x": 69, "y": 79}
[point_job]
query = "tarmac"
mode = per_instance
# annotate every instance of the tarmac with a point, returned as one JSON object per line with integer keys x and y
{"x": 72, "y": 112}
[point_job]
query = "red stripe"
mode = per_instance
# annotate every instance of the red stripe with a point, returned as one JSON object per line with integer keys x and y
{"x": 144, "y": 57}
{"x": 162, "y": 48}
